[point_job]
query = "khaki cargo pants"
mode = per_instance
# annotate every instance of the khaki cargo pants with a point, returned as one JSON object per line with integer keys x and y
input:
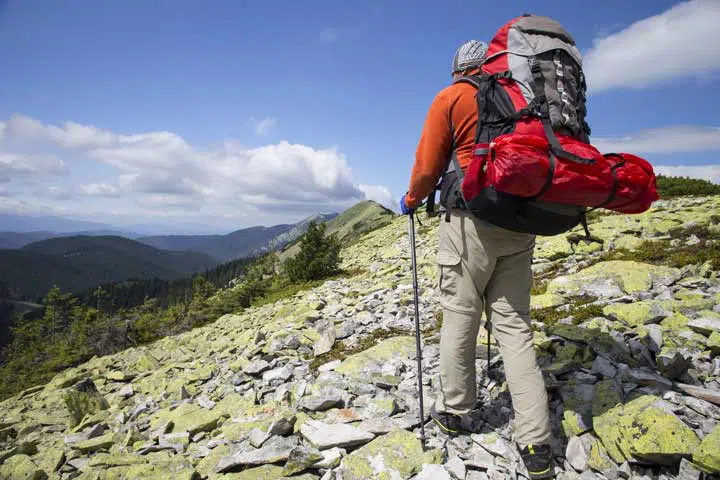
{"x": 487, "y": 268}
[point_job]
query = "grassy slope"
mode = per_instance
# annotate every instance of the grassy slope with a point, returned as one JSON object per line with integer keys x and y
{"x": 350, "y": 225}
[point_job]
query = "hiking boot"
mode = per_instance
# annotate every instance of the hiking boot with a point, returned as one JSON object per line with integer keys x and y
{"x": 453, "y": 425}
{"x": 538, "y": 461}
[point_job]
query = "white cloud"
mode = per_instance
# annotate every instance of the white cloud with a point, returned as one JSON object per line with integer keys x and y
{"x": 674, "y": 139}
{"x": 263, "y": 126}
{"x": 159, "y": 171}
{"x": 12, "y": 164}
{"x": 706, "y": 172}
{"x": 55, "y": 192}
{"x": 678, "y": 43}
{"x": 381, "y": 195}
{"x": 98, "y": 190}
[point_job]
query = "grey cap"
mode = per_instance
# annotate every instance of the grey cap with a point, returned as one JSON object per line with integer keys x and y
{"x": 470, "y": 54}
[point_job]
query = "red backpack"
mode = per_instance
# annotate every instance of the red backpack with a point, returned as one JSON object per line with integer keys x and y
{"x": 533, "y": 168}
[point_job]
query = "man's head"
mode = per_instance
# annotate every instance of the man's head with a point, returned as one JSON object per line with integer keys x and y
{"x": 468, "y": 57}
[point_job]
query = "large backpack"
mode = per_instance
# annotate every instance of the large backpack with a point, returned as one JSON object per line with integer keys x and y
{"x": 533, "y": 168}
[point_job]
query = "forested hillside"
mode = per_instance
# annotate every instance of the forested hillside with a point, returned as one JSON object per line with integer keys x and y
{"x": 81, "y": 262}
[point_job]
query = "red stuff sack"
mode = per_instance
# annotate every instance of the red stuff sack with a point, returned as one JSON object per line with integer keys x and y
{"x": 520, "y": 165}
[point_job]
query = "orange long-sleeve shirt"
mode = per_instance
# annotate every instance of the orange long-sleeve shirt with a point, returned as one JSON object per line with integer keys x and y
{"x": 452, "y": 117}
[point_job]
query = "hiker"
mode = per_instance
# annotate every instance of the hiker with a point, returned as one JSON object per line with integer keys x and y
{"x": 482, "y": 268}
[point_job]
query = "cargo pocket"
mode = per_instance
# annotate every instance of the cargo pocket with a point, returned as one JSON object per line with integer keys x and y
{"x": 449, "y": 264}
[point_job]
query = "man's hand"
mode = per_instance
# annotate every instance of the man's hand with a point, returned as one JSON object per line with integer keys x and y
{"x": 404, "y": 208}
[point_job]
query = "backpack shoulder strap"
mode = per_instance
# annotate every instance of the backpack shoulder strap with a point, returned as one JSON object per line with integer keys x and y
{"x": 473, "y": 80}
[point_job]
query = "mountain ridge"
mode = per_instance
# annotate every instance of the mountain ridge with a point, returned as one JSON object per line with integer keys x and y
{"x": 76, "y": 263}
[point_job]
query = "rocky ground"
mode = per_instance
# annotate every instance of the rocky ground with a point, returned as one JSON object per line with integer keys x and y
{"x": 323, "y": 385}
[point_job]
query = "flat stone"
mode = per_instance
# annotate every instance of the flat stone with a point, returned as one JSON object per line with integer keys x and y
{"x": 281, "y": 374}
{"x": 433, "y": 472}
{"x": 257, "y": 437}
{"x": 494, "y": 444}
{"x": 103, "y": 442}
{"x": 705, "y": 325}
{"x": 479, "y": 458}
{"x": 256, "y": 367}
{"x": 272, "y": 452}
{"x": 699, "y": 392}
{"x": 329, "y": 366}
{"x": 644, "y": 378}
{"x": 604, "y": 367}
{"x": 331, "y": 458}
{"x": 456, "y": 467}
{"x": 324, "y": 436}
{"x": 126, "y": 391}
{"x": 326, "y": 342}
{"x": 577, "y": 454}
{"x": 688, "y": 471}
{"x": 301, "y": 458}
{"x": 318, "y": 403}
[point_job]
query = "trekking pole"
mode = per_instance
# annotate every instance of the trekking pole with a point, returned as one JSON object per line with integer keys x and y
{"x": 417, "y": 327}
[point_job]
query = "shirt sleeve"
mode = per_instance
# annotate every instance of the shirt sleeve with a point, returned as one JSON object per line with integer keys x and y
{"x": 433, "y": 151}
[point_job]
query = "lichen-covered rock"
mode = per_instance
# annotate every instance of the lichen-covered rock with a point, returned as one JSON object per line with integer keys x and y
{"x": 645, "y": 429}
{"x": 658, "y": 436}
{"x": 370, "y": 361}
{"x": 614, "y": 278}
{"x": 84, "y": 399}
{"x": 188, "y": 418}
{"x": 398, "y": 454}
{"x": 707, "y": 455}
{"x": 713, "y": 343}
{"x": 637, "y": 313}
{"x": 21, "y": 467}
{"x": 265, "y": 472}
{"x": 547, "y": 300}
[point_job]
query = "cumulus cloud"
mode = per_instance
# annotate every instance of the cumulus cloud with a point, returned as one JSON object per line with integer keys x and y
{"x": 12, "y": 164}
{"x": 677, "y": 43}
{"x": 379, "y": 194}
{"x": 156, "y": 171}
{"x": 263, "y": 126}
{"x": 673, "y": 139}
{"x": 706, "y": 172}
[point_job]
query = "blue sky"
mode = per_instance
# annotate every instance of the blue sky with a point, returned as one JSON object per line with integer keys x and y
{"x": 215, "y": 115}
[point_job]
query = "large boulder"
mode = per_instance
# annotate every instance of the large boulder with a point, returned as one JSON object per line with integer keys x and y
{"x": 614, "y": 278}
{"x": 708, "y": 455}
{"x": 645, "y": 430}
{"x": 397, "y": 455}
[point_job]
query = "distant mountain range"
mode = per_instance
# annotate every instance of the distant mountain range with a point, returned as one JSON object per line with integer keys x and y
{"x": 32, "y": 262}
{"x": 240, "y": 243}
{"x": 81, "y": 262}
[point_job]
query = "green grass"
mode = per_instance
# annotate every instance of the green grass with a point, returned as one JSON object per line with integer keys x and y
{"x": 580, "y": 309}
{"x": 341, "y": 352}
{"x": 662, "y": 252}
{"x": 283, "y": 289}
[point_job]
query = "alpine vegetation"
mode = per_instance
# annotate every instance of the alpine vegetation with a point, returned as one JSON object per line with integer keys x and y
{"x": 322, "y": 383}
